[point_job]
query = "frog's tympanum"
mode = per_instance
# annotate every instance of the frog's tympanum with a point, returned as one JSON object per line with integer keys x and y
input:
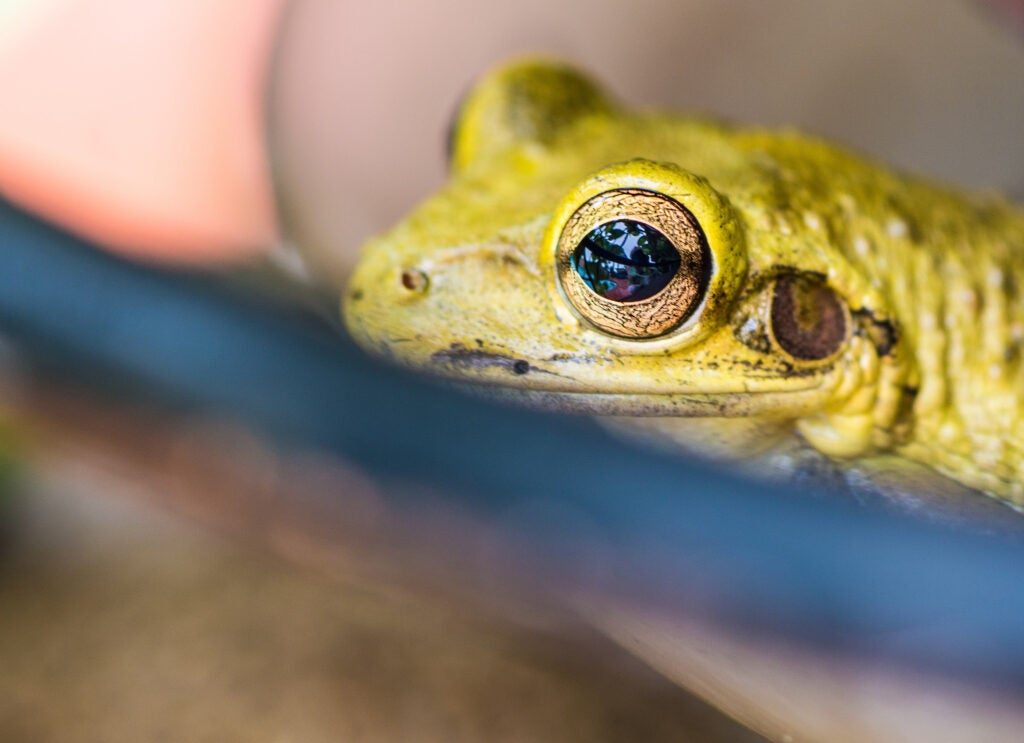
{"x": 747, "y": 293}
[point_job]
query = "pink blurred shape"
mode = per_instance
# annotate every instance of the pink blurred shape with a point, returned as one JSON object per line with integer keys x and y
{"x": 139, "y": 124}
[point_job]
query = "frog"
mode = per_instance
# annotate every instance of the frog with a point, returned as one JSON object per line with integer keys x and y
{"x": 760, "y": 297}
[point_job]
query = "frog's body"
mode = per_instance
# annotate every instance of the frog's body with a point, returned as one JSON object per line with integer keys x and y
{"x": 905, "y": 329}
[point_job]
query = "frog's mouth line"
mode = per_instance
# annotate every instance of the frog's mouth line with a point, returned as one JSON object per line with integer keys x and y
{"x": 654, "y": 404}
{"x": 457, "y": 363}
{"x": 460, "y": 357}
{"x": 673, "y": 405}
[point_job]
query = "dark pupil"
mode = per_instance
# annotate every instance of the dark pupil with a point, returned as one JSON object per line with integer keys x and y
{"x": 626, "y": 261}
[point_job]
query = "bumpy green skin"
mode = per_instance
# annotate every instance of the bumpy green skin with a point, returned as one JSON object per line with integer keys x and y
{"x": 931, "y": 370}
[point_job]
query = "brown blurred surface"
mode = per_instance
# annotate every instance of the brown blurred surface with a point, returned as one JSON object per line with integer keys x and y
{"x": 122, "y": 624}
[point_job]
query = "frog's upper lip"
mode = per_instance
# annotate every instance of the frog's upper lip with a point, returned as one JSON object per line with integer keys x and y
{"x": 459, "y": 363}
{"x": 568, "y": 383}
{"x": 564, "y": 397}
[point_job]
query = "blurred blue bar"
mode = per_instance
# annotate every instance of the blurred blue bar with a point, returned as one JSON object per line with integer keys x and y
{"x": 820, "y": 570}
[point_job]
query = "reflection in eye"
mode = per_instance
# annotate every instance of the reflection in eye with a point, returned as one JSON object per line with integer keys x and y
{"x": 625, "y": 260}
{"x": 633, "y": 263}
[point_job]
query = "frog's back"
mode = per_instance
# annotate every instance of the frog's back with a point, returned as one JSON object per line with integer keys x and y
{"x": 945, "y": 266}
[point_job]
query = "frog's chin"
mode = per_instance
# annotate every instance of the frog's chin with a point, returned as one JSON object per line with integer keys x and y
{"x": 778, "y": 404}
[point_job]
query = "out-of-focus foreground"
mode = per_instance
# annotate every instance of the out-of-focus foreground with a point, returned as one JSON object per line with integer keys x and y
{"x": 143, "y": 600}
{"x": 123, "y": 624}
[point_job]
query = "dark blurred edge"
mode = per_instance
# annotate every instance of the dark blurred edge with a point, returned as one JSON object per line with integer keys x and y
{"x": 815, "y": 570}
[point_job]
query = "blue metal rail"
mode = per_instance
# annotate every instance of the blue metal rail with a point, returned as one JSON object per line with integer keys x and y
{"x": 823, "y": 570}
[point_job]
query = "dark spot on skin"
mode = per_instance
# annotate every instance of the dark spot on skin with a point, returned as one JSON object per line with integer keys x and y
{"x": 883, "y": 333}
{"x": 776, "y": 369}
{"x": 905, "y": 410}
{"x": 459, "y": 356}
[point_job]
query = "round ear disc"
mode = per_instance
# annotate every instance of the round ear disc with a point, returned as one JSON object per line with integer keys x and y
{"x": 808, "y": 320}
{"x": 524, "y": 100}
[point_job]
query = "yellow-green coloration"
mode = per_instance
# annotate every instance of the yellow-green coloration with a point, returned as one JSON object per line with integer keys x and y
{"x": 928, "y": 327}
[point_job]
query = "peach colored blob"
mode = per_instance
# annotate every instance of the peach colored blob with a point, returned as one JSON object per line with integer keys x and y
{"x": 138, "y": 123}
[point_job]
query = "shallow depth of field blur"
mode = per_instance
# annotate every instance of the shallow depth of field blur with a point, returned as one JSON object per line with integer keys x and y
{"x": 933, "y": 87}
{"x": 144, "y": 596}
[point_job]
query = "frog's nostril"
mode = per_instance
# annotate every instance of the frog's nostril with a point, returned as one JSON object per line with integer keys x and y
{"x": 415, "y": 280}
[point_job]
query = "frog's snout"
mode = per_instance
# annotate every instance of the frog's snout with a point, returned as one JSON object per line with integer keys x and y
{"x": 463, "y": 311}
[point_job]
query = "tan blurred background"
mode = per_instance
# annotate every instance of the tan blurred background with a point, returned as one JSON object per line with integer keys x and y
{"x": 121, "y": 622}
{"x": 363, "y": 93}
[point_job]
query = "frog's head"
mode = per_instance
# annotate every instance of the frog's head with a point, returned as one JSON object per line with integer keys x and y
{"x": 622, "y": 264}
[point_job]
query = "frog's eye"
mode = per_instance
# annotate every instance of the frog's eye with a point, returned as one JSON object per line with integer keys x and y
{"x": 633, "y": 263}
{"x": 808, "y": 320}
